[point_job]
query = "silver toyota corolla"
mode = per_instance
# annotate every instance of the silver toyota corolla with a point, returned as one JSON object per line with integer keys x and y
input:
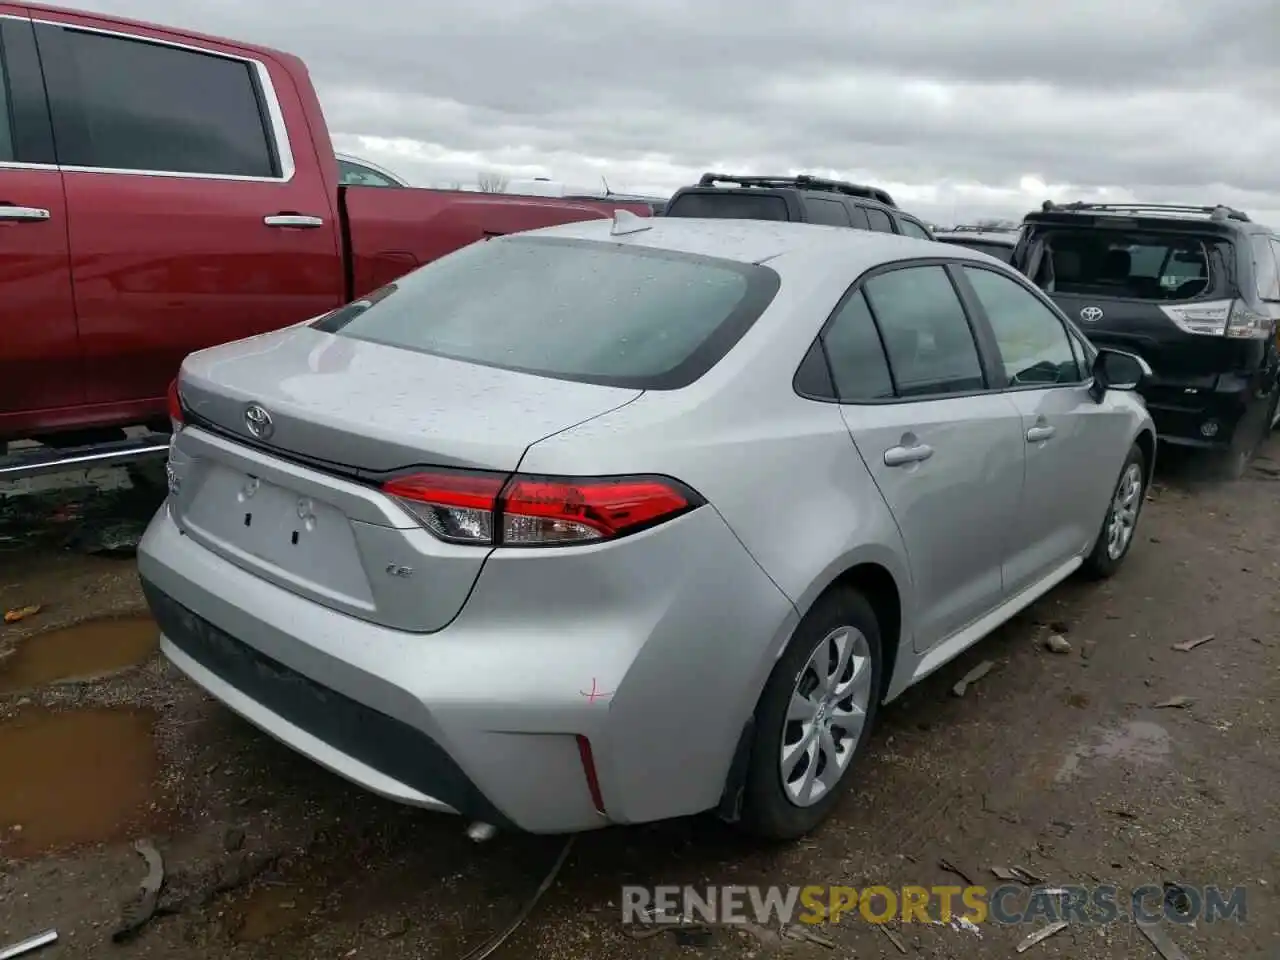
{"x": 625, "y": 520}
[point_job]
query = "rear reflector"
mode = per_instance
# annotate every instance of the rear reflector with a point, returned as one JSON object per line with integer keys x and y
{"x": 589, "y": 771}
{"x": 487, "y": 509}
{"x": 176, "y": 418}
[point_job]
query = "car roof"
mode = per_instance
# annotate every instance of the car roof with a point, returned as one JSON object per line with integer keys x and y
{"x": 758, "y": 241}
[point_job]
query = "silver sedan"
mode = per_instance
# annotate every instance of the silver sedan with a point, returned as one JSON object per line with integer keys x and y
{"x": 626, "y": 520}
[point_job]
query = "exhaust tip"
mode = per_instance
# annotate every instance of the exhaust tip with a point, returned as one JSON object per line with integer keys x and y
{"x": 480, "y": 832}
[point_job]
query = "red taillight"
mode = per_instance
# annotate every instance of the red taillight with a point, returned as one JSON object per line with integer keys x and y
{"x": 529, "y": 511}
{"x": 589, "y": 771}
{"x": 455, "y": 506}
{"x": 176, "y": 418}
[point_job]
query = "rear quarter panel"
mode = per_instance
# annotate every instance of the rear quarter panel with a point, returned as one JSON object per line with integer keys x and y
{"x": 390, "y": 232}
{"x": 781, "y": 470}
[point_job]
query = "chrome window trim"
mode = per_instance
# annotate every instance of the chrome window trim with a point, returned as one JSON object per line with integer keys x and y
{"x": 275, "y": 115}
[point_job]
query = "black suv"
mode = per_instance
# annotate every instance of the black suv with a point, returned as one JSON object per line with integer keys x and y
{"x": 802, "y": 199}
{"x": 1193, "y": 290}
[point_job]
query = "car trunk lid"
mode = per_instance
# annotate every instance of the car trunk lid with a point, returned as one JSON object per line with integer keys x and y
{"x": 299, "y": 503}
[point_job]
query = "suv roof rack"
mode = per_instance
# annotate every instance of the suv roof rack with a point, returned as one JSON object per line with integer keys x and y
{"x": 802, "y": 181}
{"x": 1216, "y": 212}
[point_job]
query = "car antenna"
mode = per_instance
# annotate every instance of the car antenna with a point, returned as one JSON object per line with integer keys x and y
{"x": 624, "y": 221}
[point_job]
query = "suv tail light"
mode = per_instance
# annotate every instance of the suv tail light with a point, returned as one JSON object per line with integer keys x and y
{"x": 1221, "y": 318}
{"x": 486, "y": 509}
{"x": 176, "y": 418}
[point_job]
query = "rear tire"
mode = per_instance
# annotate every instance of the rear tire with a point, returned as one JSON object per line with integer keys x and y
{"x": 810, "y": 730}
{"x": 1120, "y": 525}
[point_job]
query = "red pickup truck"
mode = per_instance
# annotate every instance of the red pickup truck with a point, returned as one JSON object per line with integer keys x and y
{"x": 163, "y": 191}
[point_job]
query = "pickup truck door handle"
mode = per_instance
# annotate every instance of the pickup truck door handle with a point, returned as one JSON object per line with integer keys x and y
{"x": 23, "y": 214}
{"x": 295, "y": 220}
{"x": 901, "y": 456}
{"x": 1040, "y": 432}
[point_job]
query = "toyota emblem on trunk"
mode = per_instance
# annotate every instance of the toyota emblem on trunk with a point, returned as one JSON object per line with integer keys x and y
{"x": 258, "y": 421}
{"x": 1091, "y": 314}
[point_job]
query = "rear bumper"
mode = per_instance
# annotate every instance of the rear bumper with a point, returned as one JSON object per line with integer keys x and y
{"x": 674, "y": 629}
{"x": 1207, "y": 412}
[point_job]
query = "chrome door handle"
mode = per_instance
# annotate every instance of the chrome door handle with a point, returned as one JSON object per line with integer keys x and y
{"x": 23, "y": 214}
{"x": 901, "y": 456}
{"x": 1036, "y": 434}
{"x": 296, "y": 220}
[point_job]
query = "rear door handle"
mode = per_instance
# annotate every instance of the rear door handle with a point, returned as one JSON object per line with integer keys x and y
{"x": 1037, "y": 434}
{"x": 901, "y": 456}
{"x": 23, "y": 214}
{"x": 295, "y": 220}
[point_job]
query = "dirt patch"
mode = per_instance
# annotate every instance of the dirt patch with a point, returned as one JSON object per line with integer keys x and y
{"x": 270, "y": 910}
{"x": 82, "y": 776}
{"x": 88, "y": 650}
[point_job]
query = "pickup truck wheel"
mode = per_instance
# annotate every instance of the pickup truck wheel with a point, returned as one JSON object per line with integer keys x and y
{"x": 813, "y": 718}
{"x": 1120, "y": 525}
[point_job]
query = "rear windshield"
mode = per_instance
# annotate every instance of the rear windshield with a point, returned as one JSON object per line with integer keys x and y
{"x": 1001, "y": 251}
{"x": 569, "y": 309}
{"x": 1132, "y": 265}
{"x": 729, "y": 205}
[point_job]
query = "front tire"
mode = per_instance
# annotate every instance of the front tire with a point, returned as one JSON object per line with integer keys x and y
{"x": 1120, "y": 526}
{"x": 814, "y": 717}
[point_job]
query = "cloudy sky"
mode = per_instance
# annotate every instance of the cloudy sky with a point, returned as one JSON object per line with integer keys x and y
{"x": 959, "y": 109}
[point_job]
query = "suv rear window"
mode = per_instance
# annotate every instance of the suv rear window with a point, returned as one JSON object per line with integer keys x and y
{"x": 729, "y": 205}
{"x": 1135, "y": 265}
{"x": 568, "y": 309}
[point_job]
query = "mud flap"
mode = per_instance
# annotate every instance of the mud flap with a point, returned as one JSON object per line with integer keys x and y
{"x": 730, "y": 808}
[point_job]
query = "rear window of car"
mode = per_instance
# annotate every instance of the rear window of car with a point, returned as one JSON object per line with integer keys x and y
{"x": 569, "y": 309}
{"x": 1132, "y": 264}
{"x": 729, "y": 205}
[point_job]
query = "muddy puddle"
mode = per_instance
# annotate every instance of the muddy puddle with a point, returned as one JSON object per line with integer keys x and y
{"x": 82, "y": 776}
{"x": 83, "y": 651}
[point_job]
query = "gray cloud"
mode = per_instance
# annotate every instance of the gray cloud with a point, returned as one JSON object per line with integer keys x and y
{"x": 1158, "y": 99}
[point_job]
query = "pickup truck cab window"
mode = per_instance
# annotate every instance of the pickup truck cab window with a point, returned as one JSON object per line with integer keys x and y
{"x": 137, "y": 105}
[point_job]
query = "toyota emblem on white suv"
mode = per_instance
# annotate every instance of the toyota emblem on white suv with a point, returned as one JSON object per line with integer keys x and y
{"x": 258, "y": 421}
{"x": 1091, "y": 314}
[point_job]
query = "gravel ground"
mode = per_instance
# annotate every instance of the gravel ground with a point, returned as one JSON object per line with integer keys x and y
{"x": 1061, "y": 763}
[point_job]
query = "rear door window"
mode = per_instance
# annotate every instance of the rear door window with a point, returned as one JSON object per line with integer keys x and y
{"x": 730, "y": 205}
{"x": 879, "y": 220}
{"x": 859, "y": 368}
{"x": 574, "y": 310}
{"x": 139, "y": 105}
{"x": 829, "y": 212}
{"x": 926, "y": 332}
{"x": 1131, "y": 265}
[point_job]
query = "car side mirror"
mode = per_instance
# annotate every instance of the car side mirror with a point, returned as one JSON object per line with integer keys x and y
{"x": 1117, "y": 370}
